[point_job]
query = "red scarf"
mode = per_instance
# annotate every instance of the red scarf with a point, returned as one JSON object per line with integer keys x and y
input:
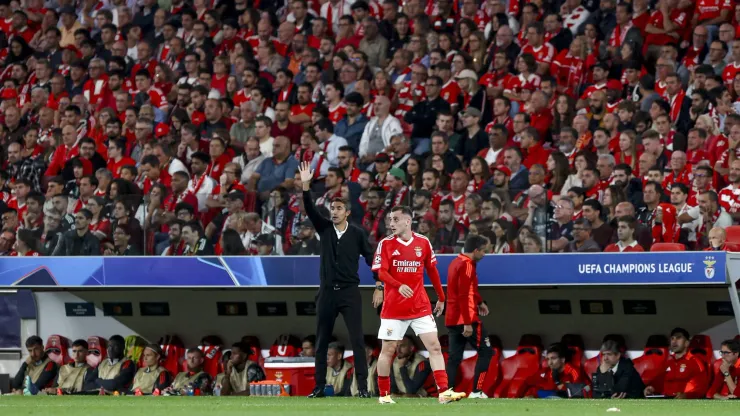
{"x": 702, "y": 231}
{"x": 317, "y": 173}
{"x": 371, "y": 223}
{"x": 617, "y": 38}
{"x": 197, "y": 186}
{"x": 676, "y": 105}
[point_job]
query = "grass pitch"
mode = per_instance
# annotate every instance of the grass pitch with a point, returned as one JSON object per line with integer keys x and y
{"x": 187, "y": 406}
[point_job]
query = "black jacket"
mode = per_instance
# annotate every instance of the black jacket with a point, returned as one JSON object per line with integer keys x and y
{"x": 70, "y": 244}
{"x": 424, "y": 117}
{"x": 339, "y": 262}
{"x": 625, "y": 380}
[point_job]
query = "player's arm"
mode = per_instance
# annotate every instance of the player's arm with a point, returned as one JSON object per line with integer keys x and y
{"x": 17, "y": 382}
{"x": 423, "y": 370}
{"x": 431, "y": 267}
{"x": 317, "y": 219}
{"x": 47, "y": 376}
{"x": 122, "y": 380}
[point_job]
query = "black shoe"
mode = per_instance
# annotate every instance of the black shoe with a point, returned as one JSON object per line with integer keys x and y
{"x": 316, "y": 393}
{"x": 363, "y": 394}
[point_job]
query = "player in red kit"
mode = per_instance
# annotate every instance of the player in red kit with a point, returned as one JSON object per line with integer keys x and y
{"x": 400, "y": 260}
{"x": 464, "y": 304}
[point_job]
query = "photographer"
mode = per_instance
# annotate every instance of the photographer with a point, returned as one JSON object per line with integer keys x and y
{"x": 616, "y": 376}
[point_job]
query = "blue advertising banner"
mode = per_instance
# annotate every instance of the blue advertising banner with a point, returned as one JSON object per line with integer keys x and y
{"x": 673, "y": 268}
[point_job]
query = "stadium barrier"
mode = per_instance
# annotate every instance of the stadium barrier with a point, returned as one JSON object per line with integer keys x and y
{"x": 636, "y": 295}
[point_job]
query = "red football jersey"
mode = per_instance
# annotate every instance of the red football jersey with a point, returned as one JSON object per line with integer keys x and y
{"x": 405, "y": 262}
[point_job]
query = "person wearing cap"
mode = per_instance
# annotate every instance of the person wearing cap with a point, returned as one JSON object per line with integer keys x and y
{"x": 616, "y": 376}
{"x": 265, "y": 243}
{"x": 379, "y": 130}
{"x": 233, "y": 205}
{"x": 599, "y": 72}
{"x": 473, "y": 139}
{"x": 69, "y": 25}
{"x": 152, "y": 377}
{"x": 398, "y": 193}
{"x": 423, "y": 115}
{"x": 473, "y": 95}
{"x": 686, "y": 375}
{"x": 307, "y": 244}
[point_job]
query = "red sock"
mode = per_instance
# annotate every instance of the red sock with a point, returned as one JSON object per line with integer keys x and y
{"x": 384, "y": 385}
{"x": 440, "y": 377}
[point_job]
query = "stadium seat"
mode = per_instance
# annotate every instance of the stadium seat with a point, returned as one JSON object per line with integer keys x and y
{"x": 286, "y": 345}
{"x": 733, "y": 234}
{"x": 174, "y": 353}
{"x": 667, "y": 247}
{"x": 575, "y": 346}
{"x": 97, "y": 350}
{"x": 701, "y": 347}
{"x": 212, "y": 347}
{"x": 651, "y": 365}
{"x": 493, "y": 376}
{"x": 255, "y": 348}
{"x": 57, "y": 348}
{"x": 517, "y": 369}
{"x": 732, "y": 247}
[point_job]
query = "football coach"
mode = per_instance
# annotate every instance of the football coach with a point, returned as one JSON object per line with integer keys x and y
{"x": 341, "y": 246}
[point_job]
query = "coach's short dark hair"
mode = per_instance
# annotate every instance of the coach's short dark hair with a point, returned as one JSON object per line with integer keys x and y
{"x": 343, "y": 201}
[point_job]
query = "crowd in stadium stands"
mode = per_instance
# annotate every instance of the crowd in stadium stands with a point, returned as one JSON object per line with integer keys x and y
{"x": 679, "y": 367}
{"x": 561, "y": 126}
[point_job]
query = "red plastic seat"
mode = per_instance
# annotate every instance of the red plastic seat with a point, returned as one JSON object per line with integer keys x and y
{"x": 667, "y": 247}
{"x": 286, "y": 345}
{"x": 576, "y": 347}
{"x": 97, "y": 350}
{"x": 651, "y": 365}
{"x": 57, "y": 349}
{"x": 255, "y": 348}
{"x": 212, "y": 347}
{"x": 494, "y": 375}
{"x": 465, "y": 374}
{"x": 517, "y": 369}
{"x": 732, "y": 247}
{"x": 174, "y": 353}
{"x": 701, "y": 348}
{"x": 733, "y": 234}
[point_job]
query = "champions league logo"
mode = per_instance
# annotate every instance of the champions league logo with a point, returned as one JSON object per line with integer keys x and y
{"x": 709, "y": 270}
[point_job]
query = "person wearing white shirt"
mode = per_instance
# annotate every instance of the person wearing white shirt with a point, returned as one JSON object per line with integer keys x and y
{"x": 327, "y": 150}
{"x": 332, "y": 10}
{"x": 250, "y": 160}
{"x": 255, "y": 226}
{"x": 201, "y": 185}
{"x": 262, "y": 126}
{"x": 379, "y": 130}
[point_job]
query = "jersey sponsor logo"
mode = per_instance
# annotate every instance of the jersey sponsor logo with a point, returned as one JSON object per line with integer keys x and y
{"x": 406, "y": 266}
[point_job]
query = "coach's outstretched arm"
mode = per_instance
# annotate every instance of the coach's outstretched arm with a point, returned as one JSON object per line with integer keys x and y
{"x": 319, "y": 222}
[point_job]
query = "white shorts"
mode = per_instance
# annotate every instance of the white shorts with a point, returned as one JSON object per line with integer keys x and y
{"x": 395, "y": 329}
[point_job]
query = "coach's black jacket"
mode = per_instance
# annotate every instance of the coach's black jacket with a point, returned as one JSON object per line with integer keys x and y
{"x": 339, "y": 257}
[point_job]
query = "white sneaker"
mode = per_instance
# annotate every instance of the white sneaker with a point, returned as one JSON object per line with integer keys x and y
{"x": 386, "y": 400}
{"x": 450, "y": 396}
{"x": 477, "y": 395}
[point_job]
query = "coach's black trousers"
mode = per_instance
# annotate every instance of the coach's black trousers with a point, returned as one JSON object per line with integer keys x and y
{"x": 330, "y": 302}
{"x": 479, "y": 341}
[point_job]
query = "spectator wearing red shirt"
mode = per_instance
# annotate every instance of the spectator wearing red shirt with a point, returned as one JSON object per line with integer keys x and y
{"x": 626, "y": 235}
{"x": 145, "y": 60}
{"x": 540, "y": 115}
{"x": 155, "y": 96}
{"x": 283, "y": 127}
{"x": 686, "y": 376}
{"x": 665, "y": 25}
{"x": 65, "y": 152}
{"x": 725, "y": 385}
{"x": 556, "y": 376}
{"x": 543, "y": 52}
{"x": 151, "y": 169}
{"x": 347, "y": 35}
{"x": 532, "y": 145}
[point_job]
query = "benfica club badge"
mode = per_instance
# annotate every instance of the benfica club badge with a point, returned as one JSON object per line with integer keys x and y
{"x": 418, "y": 251}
